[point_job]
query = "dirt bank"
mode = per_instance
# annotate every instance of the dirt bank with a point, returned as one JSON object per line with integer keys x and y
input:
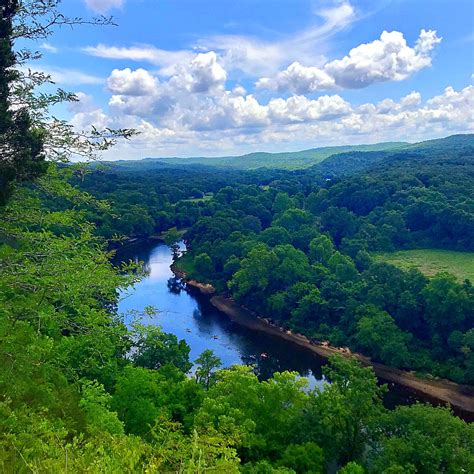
{"x": 444, "y": 391}
{"x": 460, "y": 397}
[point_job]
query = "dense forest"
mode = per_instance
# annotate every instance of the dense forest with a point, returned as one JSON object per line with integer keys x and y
{"x": 296, "y": 246}
{"x": 80, "y": 391}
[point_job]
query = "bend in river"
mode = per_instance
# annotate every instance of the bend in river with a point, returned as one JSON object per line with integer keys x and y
{"x": 190, "y": 316}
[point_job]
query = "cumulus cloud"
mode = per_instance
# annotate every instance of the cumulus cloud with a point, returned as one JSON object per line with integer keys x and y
{"x": 386, "y": 59}
{"x": 299, "y": 79}
{"x": 202, "y": 74}
{"x": 195, "y": 98}
{"x": 300, "y": 109}
{"x": 226, "y": 123}
{"x": 103, "y": 6}
{"x": 128, "y": 82}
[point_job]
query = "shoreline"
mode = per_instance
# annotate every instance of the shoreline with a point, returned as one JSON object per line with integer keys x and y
{"x": 441, "y": 391}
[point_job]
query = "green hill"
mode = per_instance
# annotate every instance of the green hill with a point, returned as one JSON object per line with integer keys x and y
{"x": 336, "y": 160}
{"x": 285, "y": 160}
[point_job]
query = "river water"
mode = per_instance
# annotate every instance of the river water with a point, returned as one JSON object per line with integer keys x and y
{"x": 190, "y": 316}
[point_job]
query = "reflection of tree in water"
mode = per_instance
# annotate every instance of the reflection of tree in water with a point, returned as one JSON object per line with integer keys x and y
{"x": 139, "y": 252}
{"x": 266, "y": 365}
{"x": 175, "y": 285}
{"x": 144, "y": 266}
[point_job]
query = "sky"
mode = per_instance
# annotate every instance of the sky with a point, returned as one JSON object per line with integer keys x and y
{"x": 224, "y": 77}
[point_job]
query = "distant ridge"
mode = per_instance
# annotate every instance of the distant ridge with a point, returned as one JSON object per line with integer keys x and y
{"x": 283, "y": 160}
{"x": 360, "y": 155}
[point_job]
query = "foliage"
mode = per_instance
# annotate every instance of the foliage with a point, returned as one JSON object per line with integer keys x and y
{"x": 82, "y": 392}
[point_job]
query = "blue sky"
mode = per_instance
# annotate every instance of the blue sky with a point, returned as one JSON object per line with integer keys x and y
{"x": 223, "y": 77}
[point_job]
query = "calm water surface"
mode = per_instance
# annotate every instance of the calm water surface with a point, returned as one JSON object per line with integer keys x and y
{"x": 191, "y": 317}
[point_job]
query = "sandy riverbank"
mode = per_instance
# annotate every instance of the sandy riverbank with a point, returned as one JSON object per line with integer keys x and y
{"x": 459, "y": 397}
{"x": 443, "y": 391}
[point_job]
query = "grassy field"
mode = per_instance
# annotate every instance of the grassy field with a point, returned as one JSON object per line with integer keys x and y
{"x": 206, "y": 197}
{"x": 433, "y": 261}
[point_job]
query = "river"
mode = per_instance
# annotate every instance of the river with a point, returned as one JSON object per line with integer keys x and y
{"x": 190, "y": 316}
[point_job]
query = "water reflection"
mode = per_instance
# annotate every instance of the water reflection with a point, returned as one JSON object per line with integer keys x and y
{"x": 190, "y": 316}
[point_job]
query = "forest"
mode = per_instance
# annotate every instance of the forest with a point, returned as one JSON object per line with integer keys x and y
{"x": 296, "y": 246}
{"x": 81, "y": 391}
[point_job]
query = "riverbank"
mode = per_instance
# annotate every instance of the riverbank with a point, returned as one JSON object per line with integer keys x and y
{"x": 440, "y": 391}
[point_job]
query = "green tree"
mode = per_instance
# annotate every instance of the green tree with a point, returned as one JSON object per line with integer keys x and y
{"x": 342, "y": 418}
{"x": 153, "y": 348}
{"x": 255, "y": 273}
{"x": 321, "y": 249}
{"x": 206, "y": 363}
{"x": 378, "y": 335}
{"x": 306, "y": 458}
{"x": 203, "y": 264}
{"x": 21, "y": 143}
{"x": 423, "y": 439}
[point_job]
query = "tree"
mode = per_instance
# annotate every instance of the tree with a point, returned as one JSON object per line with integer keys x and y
{"x": 293, "y": 219}
{"x": 321, "y": 249}
{"x": 378, "y": 335}
{"x": 343, "y": 417}
{"x": 154, "y": 349}
{"x": 275, "y": 235}
{"x": 207, "y": 362}
{"x": 255, "y": 273}
{"x": 342, "y": 267}
{"x": 423, "y": 439}
{"x": 306, "y": 458}
{"x": 143, "y": 396}
{"x": 311, "y": 311}
{"x": 444, "y": 296}
{"x": 21, "y": 144}
{"x": 29, "y": 134}
{"x": 351, "y": 468}
{"x": 259, "y": 416}
{"x": 282, "y": 203}
{"x": 172, "y": 239}
{"x": 203, "y": 264}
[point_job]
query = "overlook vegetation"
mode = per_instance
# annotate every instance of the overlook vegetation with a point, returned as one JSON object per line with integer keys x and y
{"x": 82, "y": 392}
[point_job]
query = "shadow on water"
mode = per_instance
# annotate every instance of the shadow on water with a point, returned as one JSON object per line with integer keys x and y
{"x": 190, "y": 316}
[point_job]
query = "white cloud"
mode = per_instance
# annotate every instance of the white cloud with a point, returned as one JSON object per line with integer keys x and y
{"x": 128, "y": 82}
{"x": 300, "y": 109}
{"x": 202, "y": 74}
{"x": 168, "y": 60}
{"x": 84, "y": 103}
{"x": 253, "y": 56}
{"x": 103, "y": 6}
{"x": 70, "y": 77}
{"x": 195, "y": 100}
{"x": 221, "y": 122}
{"x": 49, "y": 48}
{"x": 299, "y": 79}
{"x": 389, "y": 58}
{"x": 386, "y": 59}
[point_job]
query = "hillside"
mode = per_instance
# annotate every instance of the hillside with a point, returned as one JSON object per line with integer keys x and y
{"x": 338, "y": 160}
{"x": 455, "y": 149}
{"x": 286, "y": 160}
